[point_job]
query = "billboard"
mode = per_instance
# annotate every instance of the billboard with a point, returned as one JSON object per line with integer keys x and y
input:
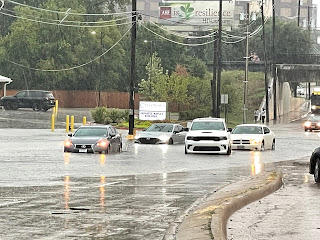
{"x": 152, "y": 110}
{"x": 196, "y": 14}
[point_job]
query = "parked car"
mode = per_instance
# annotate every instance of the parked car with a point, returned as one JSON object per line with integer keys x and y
{"x": 253, "y": 137}
{"x": 208, "y": 135}
{"x": 313, "y": 123}
{"x": 314, "y": 165}
{"x": 158, "y": 133}
{"x": 94, "y": 138}
{"x": 35, "y": 99}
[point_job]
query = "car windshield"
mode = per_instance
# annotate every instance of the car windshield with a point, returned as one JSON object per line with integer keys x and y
{"x": 160, "y": 128}
{"x": 247, "y": 130}
{"x": 207, "y": 126}
{"x": 94, "y": 132}
{"x": 314, "y": 119}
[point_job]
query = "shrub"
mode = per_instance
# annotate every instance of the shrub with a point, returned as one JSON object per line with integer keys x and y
{"x": 99, "y": 114}
{"x": 106, "y": 115}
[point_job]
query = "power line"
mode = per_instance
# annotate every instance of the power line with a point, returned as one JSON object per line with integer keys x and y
{"x": 75, "y": 67}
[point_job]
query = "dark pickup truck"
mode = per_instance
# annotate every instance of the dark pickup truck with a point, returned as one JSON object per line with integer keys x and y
{"x": 35, "y": 99}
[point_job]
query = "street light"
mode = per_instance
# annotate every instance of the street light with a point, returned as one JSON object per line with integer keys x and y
{"x": 246, "y": 17}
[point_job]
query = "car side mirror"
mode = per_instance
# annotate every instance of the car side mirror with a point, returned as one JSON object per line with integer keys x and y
{"x": 229, "y": 129}
{"x": 69, "y": 134}
{"x": 186, "y": 129}
{"x": 112, "y": 134}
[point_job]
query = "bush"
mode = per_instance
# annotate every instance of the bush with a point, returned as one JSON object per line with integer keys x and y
{"x": 106, "y": 115}
{"x": 195, "y": 113}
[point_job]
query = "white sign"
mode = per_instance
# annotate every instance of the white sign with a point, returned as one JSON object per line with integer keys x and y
{"x": 199, "y": 13}
{"x": 152, "y": 110}
{"x": 224, "y": 98}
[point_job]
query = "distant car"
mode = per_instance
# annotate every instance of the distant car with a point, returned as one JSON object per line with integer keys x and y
{"x": 314, "y": 165}
{"x": 253, "y": 137}
{"x": 300, "y": 91}
{"x": 35, "y": 99}
{"x": 94, "y": 138}
{"x": 208, "y": 135}
{"x": 157, "y": 133}
{"x": 313, "y": 123}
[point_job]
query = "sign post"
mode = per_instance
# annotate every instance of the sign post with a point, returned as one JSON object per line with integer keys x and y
{"x": 224, "y": 101}
{"x": 152, "y": 110}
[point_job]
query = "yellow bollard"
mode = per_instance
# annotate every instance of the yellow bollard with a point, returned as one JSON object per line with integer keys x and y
{"x": 54, "y": 110}
{"x": 67, "y": 123}
{"x": 52, "y": 122}
{"x": 56, "y": 107}
{"x": 84, "y": 120}
{"x": 72, "y": 123}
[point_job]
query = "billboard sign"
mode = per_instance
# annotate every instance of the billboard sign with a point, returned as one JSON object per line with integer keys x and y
{"x": 199, "y": 13}
{"x": 152, "y": 110}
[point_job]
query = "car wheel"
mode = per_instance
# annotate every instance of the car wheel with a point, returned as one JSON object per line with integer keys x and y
{"x": 262, "y": 146}
{"x": 229, "y": 150}
{"x": 317, "y": 171}
{"x": 108, "y": 150}
{"x": 120, "y": 148}
{"x": 305, "y": 129}
{"x": 7, "y": 105}
{"x": 36, "y": 106}
{"x": 44, "y": 108}
{"x": 170, "y": 141}
{"x": 185, "y": 150}
{"x": 273, "y": 147}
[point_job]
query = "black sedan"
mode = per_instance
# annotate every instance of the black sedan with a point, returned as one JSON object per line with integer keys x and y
{"x": 313, "y": 123}
{"x": 94, "y": 138}
{"x": 314, "y": 166}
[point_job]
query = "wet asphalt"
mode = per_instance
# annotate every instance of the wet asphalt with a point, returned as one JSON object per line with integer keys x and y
{"x": 48, "y": 194}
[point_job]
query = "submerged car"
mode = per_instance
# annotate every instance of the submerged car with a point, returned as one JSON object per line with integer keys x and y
{"x": 94, "y": 138}
{"x": 35, "y": 99}
{"x": 253, "y": 137}
{"x": 208, "y": 135}
{"x": 314, "y": 165}
{"x": 162, "y": 133}
{"x": 313, "y": 123}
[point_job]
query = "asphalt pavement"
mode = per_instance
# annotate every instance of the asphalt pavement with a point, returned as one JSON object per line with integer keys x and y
{"x": 279, "y": 203}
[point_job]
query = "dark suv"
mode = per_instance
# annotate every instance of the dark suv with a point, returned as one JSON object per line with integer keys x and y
{"x": 35, "y": 99}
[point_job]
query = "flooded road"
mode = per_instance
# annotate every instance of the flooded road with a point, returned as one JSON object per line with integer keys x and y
{"x": 48, "y": 194}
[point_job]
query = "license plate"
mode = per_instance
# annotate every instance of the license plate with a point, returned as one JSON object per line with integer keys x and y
{"x": 240, "y": 147}
{"x": 82, "y": 150}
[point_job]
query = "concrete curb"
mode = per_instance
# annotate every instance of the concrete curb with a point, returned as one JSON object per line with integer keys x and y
{"x": 209, "y": 220}
{"x": 222, "y": 214}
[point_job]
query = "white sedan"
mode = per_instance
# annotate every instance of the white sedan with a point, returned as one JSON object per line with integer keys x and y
{"x": 253, "y": 137}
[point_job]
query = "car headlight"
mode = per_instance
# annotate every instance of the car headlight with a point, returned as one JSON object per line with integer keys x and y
{"x": 102, "y": 143}
{"x": 307, "y": 124}
{"x": 67, "y": 143}
{"x": 255, "y": 141}
{"x": 190, "y": 138}
{"x": 164, "y": 138}
{"x": 313, "y": 107}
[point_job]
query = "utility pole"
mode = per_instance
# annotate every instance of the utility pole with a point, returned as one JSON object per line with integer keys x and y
{"x": 274, "y": 62}
{"x": 219, "y": 60}
{"x": 266, "y": 85}
{"x": 247, "y": 66}
{"x": 133, "y": 66}
{"x": 214, "y": 78}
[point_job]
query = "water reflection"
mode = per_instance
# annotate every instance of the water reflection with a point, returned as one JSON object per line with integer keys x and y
{"x": 102, "y": 159}
{"x": 256, "y": 165}
{"x": 306, "y": 178}
{"x": 66, "y": 158}
{"x": 102, "y": 190}
{"x": 66, "y": 191}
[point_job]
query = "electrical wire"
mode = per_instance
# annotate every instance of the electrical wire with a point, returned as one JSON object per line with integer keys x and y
{"x": 66, "y": 21}
{"x": 65, "y": 25}
{"x": 59, "y": 12}
{"x": 181, "y": 35}
{"x": 2, "y": 4}
{"x": 75, "y": 67}
{"x": 179, "y": 43}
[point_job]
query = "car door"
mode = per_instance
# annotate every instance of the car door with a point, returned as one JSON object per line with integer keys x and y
{"x": 182, "y": 134}
{"x": 22, "y": 98}
{"x": 268, "y": 137}
{"x": 114, "y": 139}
